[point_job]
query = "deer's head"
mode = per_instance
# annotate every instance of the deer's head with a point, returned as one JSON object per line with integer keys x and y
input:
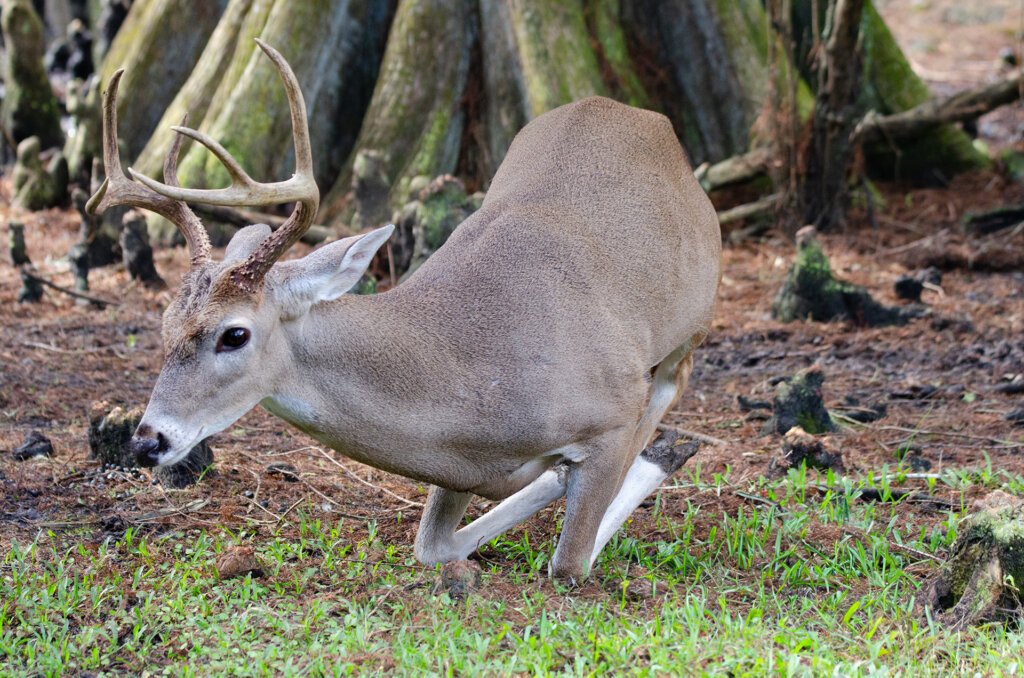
{"x": 223, "y": 338}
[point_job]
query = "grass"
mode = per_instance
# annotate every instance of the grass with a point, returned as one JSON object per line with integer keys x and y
{"x": 766, "y": 583}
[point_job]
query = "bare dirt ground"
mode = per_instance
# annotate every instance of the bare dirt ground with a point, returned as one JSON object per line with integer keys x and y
{"x": 938, "y": 373}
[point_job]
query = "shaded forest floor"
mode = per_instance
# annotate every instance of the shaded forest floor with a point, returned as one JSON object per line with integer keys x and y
{"x": 939, "y": 377}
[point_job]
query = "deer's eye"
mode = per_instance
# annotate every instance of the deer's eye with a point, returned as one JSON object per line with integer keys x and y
{"x": 233, "y": 338}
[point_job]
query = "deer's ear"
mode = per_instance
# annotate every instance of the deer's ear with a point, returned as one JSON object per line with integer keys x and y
{"x": 328, "y": 272}
{"x": 246, "y": 241}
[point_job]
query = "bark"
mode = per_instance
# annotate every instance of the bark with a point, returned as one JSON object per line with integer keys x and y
{"x": 708, "y": 65}
{"x": 540, "y": 54}
{"x": 157, "y": 45}
{"x": 332, "y": 45}
{"x": 823, "y": 190}
{"x": 414, "y": 120}
{"x": 242, "y": 20}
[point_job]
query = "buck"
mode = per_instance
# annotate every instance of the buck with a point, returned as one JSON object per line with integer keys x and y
{"x": 530, "y": 358}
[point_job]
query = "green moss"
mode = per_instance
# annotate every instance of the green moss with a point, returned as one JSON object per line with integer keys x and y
{"x": 891, "y": 85}
{"x": 29, "y": 107}
{"x": 558, "y": 63}
{"x": 607, "y": 29}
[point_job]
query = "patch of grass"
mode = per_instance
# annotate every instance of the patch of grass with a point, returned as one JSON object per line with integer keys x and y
{"x": 781, "y": 578}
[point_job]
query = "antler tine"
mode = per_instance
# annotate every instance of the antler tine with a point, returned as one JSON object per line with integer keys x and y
{"x": 300, "y": 188}
{"x": 118, "y": 189}
{"x": 243, "y": 189}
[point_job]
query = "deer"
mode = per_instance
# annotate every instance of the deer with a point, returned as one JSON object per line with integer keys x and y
{"x": 531, "y": 357}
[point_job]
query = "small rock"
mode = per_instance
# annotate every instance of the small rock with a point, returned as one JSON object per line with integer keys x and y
{"x": 644, "y": 590}
{"x": 282, "y": 471}
{"x": 930, "y": 275}
{"x": 1013, "y": 387}
{"x": 917, "y": 463}
{"x": 238, "y": 561}
{"x": 35, "y": 445}
{"x": 801, "y": 448}
{"x": 909, "y": 288}
{"x": 459, "y": 577}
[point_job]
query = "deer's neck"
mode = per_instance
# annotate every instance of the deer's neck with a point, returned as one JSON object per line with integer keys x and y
{"x": 359, "y": 368}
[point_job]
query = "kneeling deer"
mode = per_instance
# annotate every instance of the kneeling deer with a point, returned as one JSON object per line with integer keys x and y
{"x": 530, "y": 357}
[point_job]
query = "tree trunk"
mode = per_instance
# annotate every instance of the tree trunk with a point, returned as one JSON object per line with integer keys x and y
{"x": 458, "y": 79}
{"x": 158, "y": 45}
{"x": 221, "y": 61}
{"x": 414, "y": 121}
{"x": 332, "y": 46}
{"x": 823, "y": 186}
{"x": 540, "y": 54}
{"x": 889, "y": 86}
{"x": 708, "y": 63}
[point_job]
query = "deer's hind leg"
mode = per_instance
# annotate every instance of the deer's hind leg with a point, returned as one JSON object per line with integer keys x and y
{"x": 650, "y": 469}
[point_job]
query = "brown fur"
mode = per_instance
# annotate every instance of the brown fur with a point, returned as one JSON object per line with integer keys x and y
{"x": 525, "y": 341}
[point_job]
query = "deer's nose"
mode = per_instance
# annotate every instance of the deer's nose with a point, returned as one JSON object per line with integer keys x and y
{"x": 147, "y": 450}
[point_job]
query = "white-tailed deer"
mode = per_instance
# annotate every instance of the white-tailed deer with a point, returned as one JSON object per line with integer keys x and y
{"x": 530, "y": 357}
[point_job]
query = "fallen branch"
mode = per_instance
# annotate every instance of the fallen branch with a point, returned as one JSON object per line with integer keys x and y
{"x": 923, "y": 432}
{"x": 242, "y": 217}
{"x": 749, "y": 210}
{"x": 80, "y": 295}
{"x": 735, "y": 170}
{"x": 693, "y": 435}
{"x": 967, "y": 105}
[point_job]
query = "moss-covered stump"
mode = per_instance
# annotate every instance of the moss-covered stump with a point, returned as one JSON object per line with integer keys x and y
{"x": 31, "y": 291}
{"x": 37, "y": 187}
{"x": 800, "y": 448}
{"x": 812, "y": 292}
{"x": 424, "y": 224}
{"x": 29, "y": 107}
{"x": 97, "y": 238}
{"x": 86, "y": 135}
{"x": 981, "y": 581}
{"x": 110, "y": 431}
{"x": 137, "y": 253}
{"x": 799, "y": 402}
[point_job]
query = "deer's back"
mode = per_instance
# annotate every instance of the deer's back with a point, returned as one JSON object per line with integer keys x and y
{"x": 594, "y": 233}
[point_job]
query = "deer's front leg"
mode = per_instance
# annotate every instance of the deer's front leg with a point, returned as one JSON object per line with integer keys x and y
{"x": 441, "y": 516}
{"x": 437, "y": 540}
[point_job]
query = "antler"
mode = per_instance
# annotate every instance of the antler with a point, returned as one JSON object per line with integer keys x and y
{"x": 118, "y": 189}
{"x": 301, "y": 187}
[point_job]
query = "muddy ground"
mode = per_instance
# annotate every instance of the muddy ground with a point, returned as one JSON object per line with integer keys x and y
{"x": 944, "y": 374}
